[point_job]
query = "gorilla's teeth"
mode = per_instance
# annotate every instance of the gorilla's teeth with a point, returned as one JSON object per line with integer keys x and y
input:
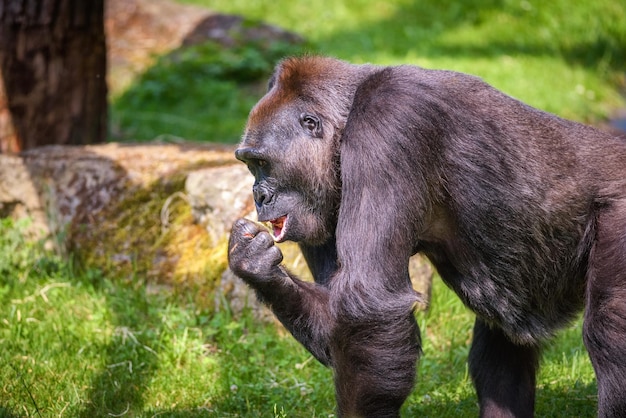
{"x": 278, "y": 227}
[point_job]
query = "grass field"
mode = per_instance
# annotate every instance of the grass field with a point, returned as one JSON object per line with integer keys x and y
{"x": 76, "y": 343}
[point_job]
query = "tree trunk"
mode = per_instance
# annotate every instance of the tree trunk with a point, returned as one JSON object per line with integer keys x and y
{"x": 52, "y": 73}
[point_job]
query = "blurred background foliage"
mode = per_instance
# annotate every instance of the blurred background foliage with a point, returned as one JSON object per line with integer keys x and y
{"x": 568, "y": 58}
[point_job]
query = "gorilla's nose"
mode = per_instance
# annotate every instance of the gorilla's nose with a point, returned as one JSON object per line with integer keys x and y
{"x": 262, "y": 196}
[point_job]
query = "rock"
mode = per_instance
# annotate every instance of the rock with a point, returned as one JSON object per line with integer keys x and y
{"x": 421, "y": 273}
{"x": 139, "y": 30}
{"x": 218, "y": 196}
{"x": 19, "y": 197}
{"x": 232, "y": 30}
{"x": 56, "y": 185}
{"x": 122, "y": 209}
{"x": 235, "y": 295}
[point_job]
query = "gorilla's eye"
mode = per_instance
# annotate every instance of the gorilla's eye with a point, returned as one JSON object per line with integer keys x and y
{"x": 311, "y": 124}
{"x": 260, "y": 167}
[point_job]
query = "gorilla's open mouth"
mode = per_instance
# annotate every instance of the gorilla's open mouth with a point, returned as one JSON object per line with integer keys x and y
{"x": 279, "y": 227}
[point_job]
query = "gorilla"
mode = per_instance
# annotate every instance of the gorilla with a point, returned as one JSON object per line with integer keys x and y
{"x": 522, "y": 213}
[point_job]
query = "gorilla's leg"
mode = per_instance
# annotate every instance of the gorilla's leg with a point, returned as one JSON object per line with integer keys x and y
{"x": 374, "y": 346}
{"x": 503, "y": 373}
{"x": 604, "y": 329}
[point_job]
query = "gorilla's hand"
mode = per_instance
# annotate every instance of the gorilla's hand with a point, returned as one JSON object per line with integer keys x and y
{"x": 252, "y": 254}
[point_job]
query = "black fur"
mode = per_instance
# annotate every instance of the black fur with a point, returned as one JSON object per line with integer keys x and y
{"x": 522, "y": 213}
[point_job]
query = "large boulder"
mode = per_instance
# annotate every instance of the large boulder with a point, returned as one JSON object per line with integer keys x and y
{"x": 121, "y": 209}
{"x": 57, "y": 185}
{"x": 154, "y": 212}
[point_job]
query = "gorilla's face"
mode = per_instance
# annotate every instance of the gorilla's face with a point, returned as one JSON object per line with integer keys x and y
{"x": 290, "y": 150}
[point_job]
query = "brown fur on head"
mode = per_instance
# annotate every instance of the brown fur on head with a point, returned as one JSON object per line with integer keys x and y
{"x": 327, "y": 84}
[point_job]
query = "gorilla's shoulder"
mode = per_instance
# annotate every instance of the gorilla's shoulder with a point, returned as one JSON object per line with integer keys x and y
{"x": 406, "y": 82}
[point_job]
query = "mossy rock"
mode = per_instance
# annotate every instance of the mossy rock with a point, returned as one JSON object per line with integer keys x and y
{"x": 149, "y": 233}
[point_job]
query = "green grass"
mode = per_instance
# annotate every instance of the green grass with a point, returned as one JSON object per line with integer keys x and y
{"x": 564, "y": 57}
{"x": 82, "y": 345}
{"x": 78, "y": 344}
{"x": 202, "y": 93}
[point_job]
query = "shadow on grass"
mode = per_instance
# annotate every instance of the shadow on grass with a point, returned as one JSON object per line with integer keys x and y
{"x": 579, "y": 400}
{"x": 131, "y": 361}
{"x": 7, "y": 413}
{"x": 450, "y": 393}
{"x": 560, "y": 402}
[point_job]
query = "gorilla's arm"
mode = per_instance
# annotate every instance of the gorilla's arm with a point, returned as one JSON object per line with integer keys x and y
{"x": 300, "y": 306}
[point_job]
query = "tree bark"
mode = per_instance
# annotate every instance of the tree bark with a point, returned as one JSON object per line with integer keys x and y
{"x": 52, "y": 73}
